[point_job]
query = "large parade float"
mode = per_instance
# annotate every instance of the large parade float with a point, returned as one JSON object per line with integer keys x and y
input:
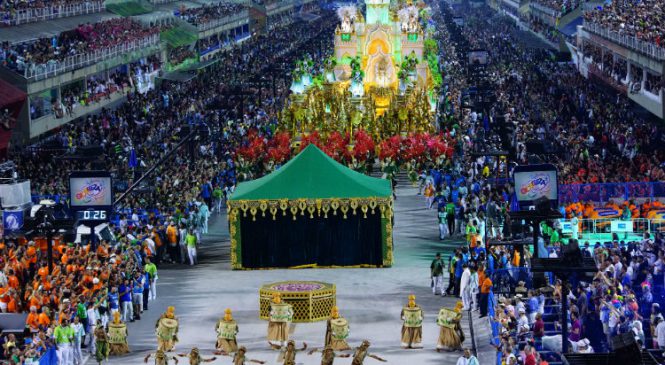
{"x": 374, "y": 98}
{"x": 383, "y": 77}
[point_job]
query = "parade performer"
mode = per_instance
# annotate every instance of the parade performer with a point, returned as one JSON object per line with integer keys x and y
{"x": 240, "y": 358}
{"x": 161, "y": 358}
{"x": 195, "y": 357}
{"x": 281, "y": 315}
{"x": 412, "y": 329}
{"x": 167, "y": 330}
{"x": 288, "y": 355}
{"x": 117, "y": 337}
{"x": 337, "y": 330}
{"x": 227, "y": 328}
{"x": 328, "y": 355}
{"x": 451, "y": 335}
{"x": 101, "y": 343}
{"x": 361, "y": 353}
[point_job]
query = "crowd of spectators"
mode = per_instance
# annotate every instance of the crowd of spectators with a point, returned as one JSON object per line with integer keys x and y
{"x": 86, "y": 38}
{"x": 87, "y": 283}
{"x": 584, "y": 123}
{"x": 580, "y": 124}
{"x": 91, "y": 281}
{"x": 36, "y": 10}
{"x": 644, "y": 20}
{"x": 207, "y": 13}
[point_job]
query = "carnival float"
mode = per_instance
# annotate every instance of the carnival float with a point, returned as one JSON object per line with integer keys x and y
{"x": 374, "y": 97}
{"x": 383, "y": 76}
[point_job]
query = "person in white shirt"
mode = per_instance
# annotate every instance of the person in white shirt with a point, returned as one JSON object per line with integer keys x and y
{"x": 660, "y": 333}
{"x": 182, "y": 233}
{"x": 584, "y": 347}
{"x": 151, "y": 245}
{"x": 522, "y": 323}
{"x": 79, "y": 333}
{"x": 93, "y": 316}
{"x": 465, "y": 288}
{"x": 467, "y": 359}
{"x": 474, "y": 288}
{"x": 575, "y": 227}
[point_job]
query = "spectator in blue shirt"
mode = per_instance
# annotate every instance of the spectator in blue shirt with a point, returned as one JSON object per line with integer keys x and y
{"x": 137, "y": 294}
{"x": 114, "y": 300}
{"x": 146, "y": 289}
{"x": 533, "y": 306}
{"x": 458, "y": 273}
{"x": 125, "y": 290}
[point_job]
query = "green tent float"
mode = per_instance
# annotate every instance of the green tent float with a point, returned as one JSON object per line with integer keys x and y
{"x": 311, "y": 212}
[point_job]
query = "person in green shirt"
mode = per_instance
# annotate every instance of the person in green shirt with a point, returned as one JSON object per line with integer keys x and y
{"x": 436, "y": 270}
{"x": 450, "y": 217}
{"x": 471, "y": 232}
{"x": 151, "y": 269}
{"x": 217, "y": 194}
{"x": 554, "y": 237}
{"x": 63, "y": 336}
{"x": 191, "y": 241}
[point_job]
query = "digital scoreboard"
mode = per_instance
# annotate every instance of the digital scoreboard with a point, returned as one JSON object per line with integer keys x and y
{"x": 91, "y": 195}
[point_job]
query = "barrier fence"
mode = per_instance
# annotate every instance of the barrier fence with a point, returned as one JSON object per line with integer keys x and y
{"x": 37, "y": 14}
{"x": 75, "y": 62}
{"x": 637, "y": 226}
{"x": 629, "y": 41}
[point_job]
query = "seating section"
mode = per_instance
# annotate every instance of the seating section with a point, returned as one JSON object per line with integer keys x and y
{"x": 644, "y": 20}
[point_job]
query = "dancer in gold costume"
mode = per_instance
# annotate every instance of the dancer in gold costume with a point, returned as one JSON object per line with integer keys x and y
{"x": 412, "y": 329}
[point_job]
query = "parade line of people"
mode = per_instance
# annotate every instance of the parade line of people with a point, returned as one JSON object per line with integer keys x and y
{"x": 114, "y": 341}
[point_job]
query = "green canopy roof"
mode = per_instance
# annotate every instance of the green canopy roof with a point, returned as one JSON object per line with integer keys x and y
{"x": 313, "y": 175}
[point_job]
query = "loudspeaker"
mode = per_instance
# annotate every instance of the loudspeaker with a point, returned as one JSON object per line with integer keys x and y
{"x": 535, "y": 147}
{"x": 625, "y": 340}
{"x": 572, "y": 255}
{"x": 539, "y": 280}
{"x": 626, "y": 349}
{"x": 542, "y": 205}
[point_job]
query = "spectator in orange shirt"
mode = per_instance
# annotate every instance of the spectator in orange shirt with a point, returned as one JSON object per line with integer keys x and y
{"x": 485, "y": 288}
{"x": 172, "y": 238}
{"x": 14, "y": 303}
{"x": 12, "y": 280}
{"x": 4, "y": 298}
{"x": 43, "y": 272}
{"x": 33, "y": 320}
{"x": 44, "y": 317}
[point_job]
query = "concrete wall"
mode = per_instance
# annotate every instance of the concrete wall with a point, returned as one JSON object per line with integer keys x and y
{"x": 651, "y": 102}
{"x": 46, "y": 123}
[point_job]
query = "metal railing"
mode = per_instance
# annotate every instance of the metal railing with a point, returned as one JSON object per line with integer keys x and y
{"x": 38, "y": 14}
{"x": 547, "y": 10}
{"x": 628, "y": 41}
{"x": 214, "y": 23}
{"x": 53, "y": 68}
{"x": 604, "y": 225}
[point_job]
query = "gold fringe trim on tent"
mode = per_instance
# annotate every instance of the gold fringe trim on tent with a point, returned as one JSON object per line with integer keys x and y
{"x": 311, "y": 206}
